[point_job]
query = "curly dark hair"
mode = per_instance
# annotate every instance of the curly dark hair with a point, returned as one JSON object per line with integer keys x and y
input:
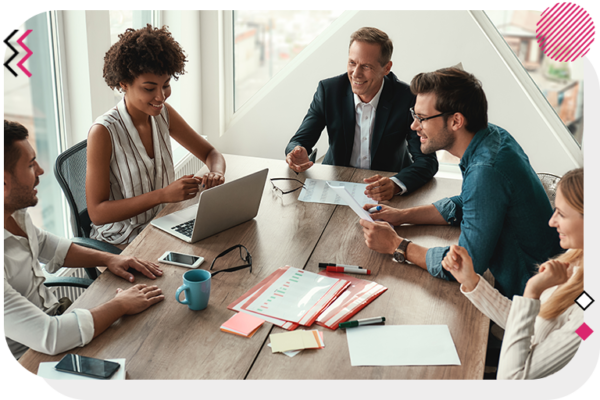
{"x": 141, "y": 51}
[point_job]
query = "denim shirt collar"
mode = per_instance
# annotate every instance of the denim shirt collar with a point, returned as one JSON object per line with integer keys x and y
{"x": 479, "y": 137}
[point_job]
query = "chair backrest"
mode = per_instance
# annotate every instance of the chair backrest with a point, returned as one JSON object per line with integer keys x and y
{"x": 550, "y": 183}
{"x": 70, "y": 169}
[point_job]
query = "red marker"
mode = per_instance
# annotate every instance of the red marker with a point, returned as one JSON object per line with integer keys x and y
{"x": 349, "y": 270}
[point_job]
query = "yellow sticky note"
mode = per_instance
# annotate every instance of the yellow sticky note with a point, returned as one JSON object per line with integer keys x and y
{"x": 296, "y": 340}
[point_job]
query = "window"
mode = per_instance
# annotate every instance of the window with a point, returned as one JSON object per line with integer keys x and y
{"x": 560, "y": 82}
{"x": 265, "y": 41}
{"x": 33, "y": 102}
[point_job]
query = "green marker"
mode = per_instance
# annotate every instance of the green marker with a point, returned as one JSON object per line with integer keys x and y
{"x": 360, "y": 322}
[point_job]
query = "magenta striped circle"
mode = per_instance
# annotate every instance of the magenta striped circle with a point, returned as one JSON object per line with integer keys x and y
{"x": 565, "y": 32}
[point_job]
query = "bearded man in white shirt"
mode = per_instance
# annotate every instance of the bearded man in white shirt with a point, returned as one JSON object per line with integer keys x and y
{"x": 32, "y": 314}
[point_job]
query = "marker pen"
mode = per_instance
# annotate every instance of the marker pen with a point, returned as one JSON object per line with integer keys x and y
{"x": 360, "y": 322}
{"x": 373, "y": 209}
{"x": 325, "y": 265}
{"x": 361, "y": 271}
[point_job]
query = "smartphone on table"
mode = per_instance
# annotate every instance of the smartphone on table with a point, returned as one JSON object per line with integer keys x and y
{"x": 180, "y": 259}
{"x": 87, "y": 366}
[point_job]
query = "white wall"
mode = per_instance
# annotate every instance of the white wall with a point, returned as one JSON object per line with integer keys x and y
{"x": 423, "y": 41}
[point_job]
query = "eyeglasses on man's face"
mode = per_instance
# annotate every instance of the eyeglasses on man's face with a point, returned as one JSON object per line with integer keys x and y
{"x": 244, "y": 255}
{"x": 421, "y": 120}
{"x": 279, "y": 191}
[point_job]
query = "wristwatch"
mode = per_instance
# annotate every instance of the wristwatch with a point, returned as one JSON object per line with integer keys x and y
{"x": 400, "y": 252}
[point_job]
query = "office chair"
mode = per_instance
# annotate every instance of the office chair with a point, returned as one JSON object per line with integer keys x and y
{"x": 550, "y": 182}
{"x": 70, "y": 170}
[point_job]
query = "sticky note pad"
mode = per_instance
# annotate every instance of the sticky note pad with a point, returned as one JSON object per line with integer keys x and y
{"x": 242, "y": 324}
{"x": 296, "y": 340}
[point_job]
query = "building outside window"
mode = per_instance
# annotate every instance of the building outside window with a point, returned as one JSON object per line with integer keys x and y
{"x": 32, "y": 101}
{"x": 560, "y": 82}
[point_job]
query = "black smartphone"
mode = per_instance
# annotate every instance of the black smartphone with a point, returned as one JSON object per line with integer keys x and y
{"x": 87, "y": 366}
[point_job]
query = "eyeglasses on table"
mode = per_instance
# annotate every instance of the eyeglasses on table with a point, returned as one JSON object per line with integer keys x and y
{"x": 280, "y": 191}
{"x": 244, "y": 255}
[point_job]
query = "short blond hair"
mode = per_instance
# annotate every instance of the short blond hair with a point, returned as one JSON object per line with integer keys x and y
{"x": 375, "y": 36}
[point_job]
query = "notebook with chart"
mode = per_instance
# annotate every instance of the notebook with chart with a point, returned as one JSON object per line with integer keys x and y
{"x": 296, "y": 296}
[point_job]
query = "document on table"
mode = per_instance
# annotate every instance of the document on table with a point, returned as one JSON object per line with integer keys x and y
{"x": 317, "y": 191}
{"x": 401, "y": 345}
{"x": 293, "y": 295}
{"x": 350, "y": 201}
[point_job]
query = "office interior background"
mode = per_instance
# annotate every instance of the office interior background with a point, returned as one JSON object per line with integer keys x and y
{"x": 251, "y": 76}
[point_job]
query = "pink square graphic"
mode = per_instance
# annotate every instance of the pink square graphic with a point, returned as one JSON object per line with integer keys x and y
{"x": 584, "y": 331}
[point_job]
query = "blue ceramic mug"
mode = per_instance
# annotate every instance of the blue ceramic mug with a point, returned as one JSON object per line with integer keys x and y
{"x": 196, "y": 284}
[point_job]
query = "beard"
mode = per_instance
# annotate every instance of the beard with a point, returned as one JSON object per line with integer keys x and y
{"x": 442, "y": 141}
{"x": 22, "y": 196}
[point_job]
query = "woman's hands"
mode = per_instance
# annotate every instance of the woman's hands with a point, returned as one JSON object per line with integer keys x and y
{"x": 183, "y": 188}
{"x": 212, "y": 179}
{"x": 459, "y": 263}
{"x": 551, "y": 273}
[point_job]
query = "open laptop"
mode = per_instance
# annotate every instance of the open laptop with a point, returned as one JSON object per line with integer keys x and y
{"x": 219, "y": 208}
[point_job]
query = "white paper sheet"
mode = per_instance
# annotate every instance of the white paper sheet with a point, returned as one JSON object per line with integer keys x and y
{"x": 317, "y": 191}
{"x": 401, "y": 345}
{"x": 350, "y": 201}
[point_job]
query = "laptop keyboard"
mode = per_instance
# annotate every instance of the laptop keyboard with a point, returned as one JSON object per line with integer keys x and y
{"x": 186, "y": 228}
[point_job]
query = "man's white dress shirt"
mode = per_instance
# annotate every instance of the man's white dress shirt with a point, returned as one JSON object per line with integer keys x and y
{"x": 29, "y": 306}
{"x": 363, "y": 134}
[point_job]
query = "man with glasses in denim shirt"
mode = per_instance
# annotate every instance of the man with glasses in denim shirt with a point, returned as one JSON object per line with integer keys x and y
{"x": 503, "y": 210}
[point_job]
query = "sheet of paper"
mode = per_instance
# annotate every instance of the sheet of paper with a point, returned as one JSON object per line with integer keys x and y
{"x": 46, "y": 370}
{"x": 317, "y": 191}
{"x": 350, "y": 201}
{"x": 401, "y": 345}
{"x": 292, "y": 295}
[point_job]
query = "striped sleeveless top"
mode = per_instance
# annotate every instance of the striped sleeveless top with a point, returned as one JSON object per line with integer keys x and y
{"x": 132, "y": 171}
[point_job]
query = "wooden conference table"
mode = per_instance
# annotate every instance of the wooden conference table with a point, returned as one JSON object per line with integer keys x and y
{"x": 169, "y": 341}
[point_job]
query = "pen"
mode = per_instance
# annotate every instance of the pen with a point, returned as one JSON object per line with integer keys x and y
{"x": 373, "y": 209}
{"x": 349, "y": 270}
{"x": 360, "y": 322}
{"x": 325, "y": 265}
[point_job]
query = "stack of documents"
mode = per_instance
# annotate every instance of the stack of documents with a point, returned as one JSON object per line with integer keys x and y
{"x": 297, "y": 340}
{"x": 242, "y": 324}
{"x": 291, "y": 297}
{"x": 360, "y": 293}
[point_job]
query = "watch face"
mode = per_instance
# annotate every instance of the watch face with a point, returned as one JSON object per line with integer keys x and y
{"x": 399, "y": 257}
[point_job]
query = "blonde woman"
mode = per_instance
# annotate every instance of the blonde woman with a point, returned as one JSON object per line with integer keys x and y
{"x": 540, "y": 326}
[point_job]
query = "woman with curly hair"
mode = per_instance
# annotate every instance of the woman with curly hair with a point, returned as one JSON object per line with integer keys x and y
{"x": 539, "y": 337}
{"x": 130, "y": 172}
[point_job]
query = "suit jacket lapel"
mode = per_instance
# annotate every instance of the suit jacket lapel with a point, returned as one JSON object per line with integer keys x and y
{"x": 382, "y": 114}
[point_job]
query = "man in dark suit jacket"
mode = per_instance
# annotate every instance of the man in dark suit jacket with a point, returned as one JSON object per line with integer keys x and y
{"x": 366, "y": 112}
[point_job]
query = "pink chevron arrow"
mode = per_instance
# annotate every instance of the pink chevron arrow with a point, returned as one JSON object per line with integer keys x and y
{"x": 29, "y": 53}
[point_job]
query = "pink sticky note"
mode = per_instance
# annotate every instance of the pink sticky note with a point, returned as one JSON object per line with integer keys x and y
{"x": 584, "y": 331}
{"x": 242, "y": 324}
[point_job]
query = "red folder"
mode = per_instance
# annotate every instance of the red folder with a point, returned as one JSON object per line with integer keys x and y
{"x": 360, "y": 293}
{"x": 310, "y": 316}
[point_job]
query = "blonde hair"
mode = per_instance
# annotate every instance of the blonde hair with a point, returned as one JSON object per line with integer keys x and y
{"x": 571, "y": 187}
